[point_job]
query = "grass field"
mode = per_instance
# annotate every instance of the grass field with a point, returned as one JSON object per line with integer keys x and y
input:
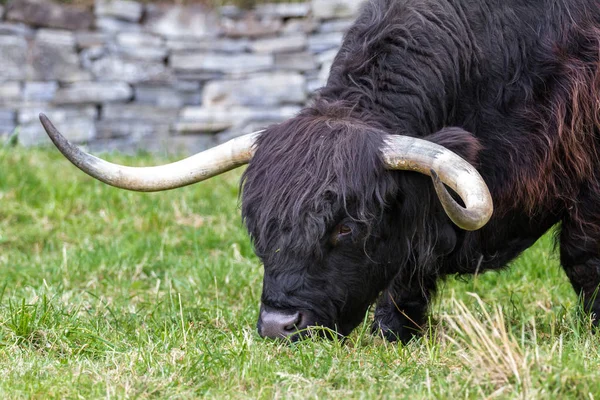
{"x": 112, "y": 294}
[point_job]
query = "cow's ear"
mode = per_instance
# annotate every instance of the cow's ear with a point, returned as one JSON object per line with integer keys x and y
{"x": 458, "y": 141}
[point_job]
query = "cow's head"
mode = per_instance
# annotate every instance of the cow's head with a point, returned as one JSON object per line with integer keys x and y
{"x": 330, "y": 222}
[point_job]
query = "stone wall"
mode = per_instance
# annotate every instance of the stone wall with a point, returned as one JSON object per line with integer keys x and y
{"x": 126, "y": 76}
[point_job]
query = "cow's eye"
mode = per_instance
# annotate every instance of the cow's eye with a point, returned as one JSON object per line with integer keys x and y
{"x": 341, "y": 231}
{"x": 344, "y": 230}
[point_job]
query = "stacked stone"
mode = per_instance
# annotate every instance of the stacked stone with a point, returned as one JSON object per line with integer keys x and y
{"x": 126, "y": 75}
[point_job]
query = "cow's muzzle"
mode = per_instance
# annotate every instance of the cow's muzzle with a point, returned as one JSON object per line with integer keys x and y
{"x": 282, "y": 324}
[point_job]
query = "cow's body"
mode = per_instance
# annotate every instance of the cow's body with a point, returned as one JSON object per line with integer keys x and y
{"x": 522, "y": 82}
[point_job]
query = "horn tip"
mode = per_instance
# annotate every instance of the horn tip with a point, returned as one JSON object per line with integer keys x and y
{"x": 59, "y": 140}
{"x": 45, "y": 121}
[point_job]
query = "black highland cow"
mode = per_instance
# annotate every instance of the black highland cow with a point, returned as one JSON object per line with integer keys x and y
{"x": 347, "y": 203}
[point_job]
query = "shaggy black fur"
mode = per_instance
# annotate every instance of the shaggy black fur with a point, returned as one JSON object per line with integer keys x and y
{"x": 512, "y": 86}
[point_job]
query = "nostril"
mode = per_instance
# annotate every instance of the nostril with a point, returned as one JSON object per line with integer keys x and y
{"x": 294, "y": 324}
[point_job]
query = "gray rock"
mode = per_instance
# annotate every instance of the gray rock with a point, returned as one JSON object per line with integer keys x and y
{"x": 115, "y": 68}
{"x": 330, "y": 9}
{"x": 39, "y": 91}
{"x": 325, "y": 41}
{"x": 200, "y": 76}
{"x": 157, "y": 95}
{"x": 43, "y": 13}
{"x": 114, "y": 25}
{"x": 210, "y": 126}
{"x": 126, "y": 10}
{"x": 159, "y": 143}
{"x": 8, "y": 115}
{"x": 186, "y": 86}
{"x": 94, "y": 92}
{"x": 56, "y": 37}
{"x": 177, "y": 21}
{"x": 17, "y": 29}
{"x": 1, "y": 11}
{"x": 59, "y": 115}
{"x": 261, "y": 90}
{"x": 224, "y": 45}
{"x": 317, "y": 79}
{"x": 251, "y": 26}
{"x": 302, "y": 62}
{"x": 218, "y": 119}
{"x": 233, "y": 64}
{"x": 230, "y": 11}
{"x": 141, "y": 46}
{"x": 304, "y": 25}
{"x": 139, "y": 112}
{"x": 338, "y": 25}
{"x": 14, "y": 57}
{"x": 282, "y": 44}
{"x": 189, "y": 144}
{"x": 156, "y": 54}
{"x": 327, "y": 56}
{"x": 78, "y": 130}
{"x": 91, "y": 54}
{"x": 76, "y": 123}
{"x": 165, "y": 96}
{"x": 122, "y": 145}
{"x": 85, "y": 40}
{"x": 324, "y": 73}
{"x": 242, "y": 129}
{"x": 313, "y": 74}
{"x": 20, "y": 104}
{"x": 211, "y": 119}
{"x": 283, "y": 10}
{"x": 53, "y": 57}
{"x": 10, "y": 92}
{"x": 136, "y": 130}
{"x": 139, "y": 39}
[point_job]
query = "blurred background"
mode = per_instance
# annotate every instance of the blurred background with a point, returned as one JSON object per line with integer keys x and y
{"x": 161, "y": 77}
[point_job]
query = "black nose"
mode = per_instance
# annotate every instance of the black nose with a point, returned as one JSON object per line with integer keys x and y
{"x": 277, "y": 324}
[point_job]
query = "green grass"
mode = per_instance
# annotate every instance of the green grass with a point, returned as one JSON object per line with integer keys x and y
{"x": 112, "y": 294}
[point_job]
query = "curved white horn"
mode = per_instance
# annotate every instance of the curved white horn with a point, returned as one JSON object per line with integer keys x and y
{"x": 444, "y": 167}
{"x": 190, "y": 170}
